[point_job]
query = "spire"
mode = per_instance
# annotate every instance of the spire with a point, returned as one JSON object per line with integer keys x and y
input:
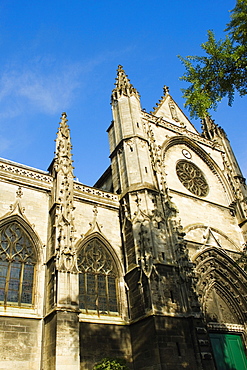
{"x": 63, "y": 156}
{"x": 63, "y": 198}
{"x": 123, "y": 86}
{"x": 210, "y": 129}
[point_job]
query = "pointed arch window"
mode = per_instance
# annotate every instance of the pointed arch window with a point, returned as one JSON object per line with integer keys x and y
{"x": 17, "y": 263}
{"x": 97, "y": 279}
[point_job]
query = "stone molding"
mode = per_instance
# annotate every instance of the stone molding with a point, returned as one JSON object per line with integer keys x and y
{"x": 25, "y": 171}
{"x": 226, "y": 327}
{"x": 95, "y": 192}
{"x": 159, "y": 121}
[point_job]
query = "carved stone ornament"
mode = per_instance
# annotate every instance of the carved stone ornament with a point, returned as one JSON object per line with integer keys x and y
{"x": 173, "y": 111}
{"x": 64, "y": 182}
{"x": 192, "y": 178}
{"x": 222, "y": 281}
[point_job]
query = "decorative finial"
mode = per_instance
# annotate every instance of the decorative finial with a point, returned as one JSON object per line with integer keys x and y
{"x": 19, "y": 192}
{"x": 95, "y": 210}
{"x": 166, "y": 90}
{"x": 138, "y": 200}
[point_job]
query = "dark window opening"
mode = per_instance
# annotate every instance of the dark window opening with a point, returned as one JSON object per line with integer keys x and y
{"x": 178, "y": 349}
{"x": 172, "y": 297}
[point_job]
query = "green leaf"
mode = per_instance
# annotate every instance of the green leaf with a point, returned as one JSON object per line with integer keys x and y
{"x": 221, "y": 71}
{"x": 111, "y": 364}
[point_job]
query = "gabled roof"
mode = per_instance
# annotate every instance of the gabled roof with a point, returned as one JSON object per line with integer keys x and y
{"x": 168, "y": 109}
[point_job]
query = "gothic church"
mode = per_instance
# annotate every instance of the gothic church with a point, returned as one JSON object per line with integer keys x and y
{"x": 147, "y": 265}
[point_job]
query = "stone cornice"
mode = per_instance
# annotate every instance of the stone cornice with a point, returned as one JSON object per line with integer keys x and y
{"x": 91, "y": 193}
{"x": 19, "y": 172}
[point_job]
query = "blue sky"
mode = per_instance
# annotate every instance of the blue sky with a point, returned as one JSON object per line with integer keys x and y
{"x": 62, "y": 55}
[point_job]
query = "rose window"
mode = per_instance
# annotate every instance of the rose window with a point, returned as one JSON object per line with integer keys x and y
{"x": 192, "y": 178}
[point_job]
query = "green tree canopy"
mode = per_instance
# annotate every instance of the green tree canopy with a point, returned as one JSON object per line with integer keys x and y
{"x": 223, "y": 69}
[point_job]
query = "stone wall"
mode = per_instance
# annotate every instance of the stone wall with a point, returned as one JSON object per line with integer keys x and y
{"x": 167, "y": 343}
{"x": 98, "y": 341}
{"x": 20, "y": 340}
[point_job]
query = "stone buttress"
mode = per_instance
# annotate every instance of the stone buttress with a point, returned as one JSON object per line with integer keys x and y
{"x": 61, "y": 321}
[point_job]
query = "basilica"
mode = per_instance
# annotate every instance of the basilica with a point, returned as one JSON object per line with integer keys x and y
{"x": 148, "y": 265}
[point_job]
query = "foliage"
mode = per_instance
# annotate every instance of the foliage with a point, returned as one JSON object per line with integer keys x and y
{"x": 223, "y": 69}
{"x": 111, "y": 364}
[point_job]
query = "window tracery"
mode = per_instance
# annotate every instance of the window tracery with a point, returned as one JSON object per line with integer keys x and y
{"x": 192, "y": 178}
{"x": 17, "y": 263}
{"x": 98, "y": 279}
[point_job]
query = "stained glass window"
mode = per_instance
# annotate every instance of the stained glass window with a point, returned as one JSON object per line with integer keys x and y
{"x": 17, "y": 262}
{"x": 97, "y": 279}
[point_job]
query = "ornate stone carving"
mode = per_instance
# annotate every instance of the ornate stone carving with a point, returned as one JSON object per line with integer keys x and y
{"x": 94, "y": 225}
{"x": 218, "y": 274}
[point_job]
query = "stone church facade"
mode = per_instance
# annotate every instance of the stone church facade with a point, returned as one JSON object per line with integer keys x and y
{"x": 147, "y": 265}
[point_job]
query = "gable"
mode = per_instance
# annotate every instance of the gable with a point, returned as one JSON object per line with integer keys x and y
{"x": 168, "y": 109}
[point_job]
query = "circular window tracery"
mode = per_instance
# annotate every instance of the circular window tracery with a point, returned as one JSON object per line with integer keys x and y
{"x": 192, "y": 178}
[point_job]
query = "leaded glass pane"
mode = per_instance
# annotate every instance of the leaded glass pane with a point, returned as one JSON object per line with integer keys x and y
{"x": 3, "y": 274}
{"x": 102, "y": 292}
{"x": 91, "y": 292}
{"x": 103, "y": 306}
{"x": 112, "y": 294}
{"x": 91, "y": 302}
{"x": 111, "y": 286}
{"x": 27, "y": 285}
{"x": 14, "y": 282}
{"x": 91, "y": 284}
{"x": 101, "y": 284}
{"x": 113, "y": 304}
{"x": 82, "y": 291}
